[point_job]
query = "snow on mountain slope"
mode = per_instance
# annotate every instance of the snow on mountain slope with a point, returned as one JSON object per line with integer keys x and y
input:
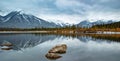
{"x": 16, "y": 19}
{"x": 87, "y": 23}
{"x": 58, "y": 22}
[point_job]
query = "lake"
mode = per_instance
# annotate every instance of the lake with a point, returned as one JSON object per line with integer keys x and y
{"x": 34, "y": 47}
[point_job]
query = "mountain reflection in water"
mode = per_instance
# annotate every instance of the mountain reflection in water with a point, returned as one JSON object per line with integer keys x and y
{"x": 33, "y": 47}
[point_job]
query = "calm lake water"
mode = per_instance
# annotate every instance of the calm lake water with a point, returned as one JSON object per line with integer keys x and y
{"x": 34, "y": 47}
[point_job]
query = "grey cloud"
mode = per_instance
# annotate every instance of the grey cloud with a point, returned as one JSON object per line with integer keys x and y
{"x": 67, "y": 7}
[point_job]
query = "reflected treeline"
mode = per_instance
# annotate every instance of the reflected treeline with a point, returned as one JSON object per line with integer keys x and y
{"x": 73, "y": 35}
{"x": 22, "y": 41}
{"x": 111, "y": 37}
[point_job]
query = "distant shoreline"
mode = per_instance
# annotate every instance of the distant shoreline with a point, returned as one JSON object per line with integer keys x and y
{"x": 25, "y": 31}
{"x": 68, "y": 32}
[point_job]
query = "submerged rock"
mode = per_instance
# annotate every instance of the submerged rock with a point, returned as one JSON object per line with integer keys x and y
{"x": 59, "y": 49}
{"x": 6, "y": 43}
{"x": 52, "y": 56}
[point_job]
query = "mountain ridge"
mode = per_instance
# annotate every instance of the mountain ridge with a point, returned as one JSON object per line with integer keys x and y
{"x": 88, "y": 24}
{"x": 24, "y": 21}
{"x": 16, "y": 19}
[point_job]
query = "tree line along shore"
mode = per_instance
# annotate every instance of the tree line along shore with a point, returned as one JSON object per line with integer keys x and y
{"x": 113, "y": 27}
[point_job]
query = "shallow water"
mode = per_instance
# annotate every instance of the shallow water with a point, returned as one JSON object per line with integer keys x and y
{"x": 33, "y": 47}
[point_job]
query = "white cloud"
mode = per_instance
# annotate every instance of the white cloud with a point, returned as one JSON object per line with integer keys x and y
{"x": 72, "y": 19}
{"x": 96, "y": 15}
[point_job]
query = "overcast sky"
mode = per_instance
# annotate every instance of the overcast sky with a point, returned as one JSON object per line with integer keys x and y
{"x": 68, "y": 11}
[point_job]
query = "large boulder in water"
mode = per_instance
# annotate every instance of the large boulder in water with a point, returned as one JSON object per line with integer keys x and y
{"x": 59, "y": 49}
{"x": 55, "y": 52}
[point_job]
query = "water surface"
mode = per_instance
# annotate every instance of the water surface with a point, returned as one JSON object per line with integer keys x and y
{"x": 33, "y": 47}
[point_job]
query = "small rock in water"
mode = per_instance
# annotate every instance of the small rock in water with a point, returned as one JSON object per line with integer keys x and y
{"x": 52, "y": 56}
{"x": 6, "y": 43}
{"x": 6, "y": 48}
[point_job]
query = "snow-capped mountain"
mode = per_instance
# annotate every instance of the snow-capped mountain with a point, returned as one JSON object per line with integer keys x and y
{"x": 84, "y": 23}
{"x": 87, "y": 23}
{"x": 17, "y": 19}
{"x": 102, "y": 22}
{"x": 1, "y": 18}
{"x": 58, "y": 22}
